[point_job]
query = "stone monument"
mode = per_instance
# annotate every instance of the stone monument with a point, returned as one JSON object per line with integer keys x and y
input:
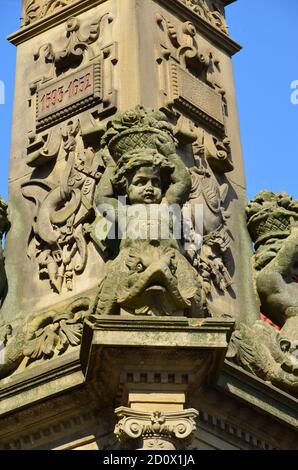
{"x": 130, "y": 291}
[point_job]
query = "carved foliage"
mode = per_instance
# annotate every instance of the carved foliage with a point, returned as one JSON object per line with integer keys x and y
{"x": 210, "y": 11}
{"x": 42, "y": 336}
{"x": 63, "y": 211}
{"x": 60, "y": 92}
{"x": 189, "y": 75}
{"x": 38, "y": 9}
{"x": 210, "y": 155}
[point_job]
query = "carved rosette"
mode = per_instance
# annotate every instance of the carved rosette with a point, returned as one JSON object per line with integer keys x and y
{"x": 155, "y": 431}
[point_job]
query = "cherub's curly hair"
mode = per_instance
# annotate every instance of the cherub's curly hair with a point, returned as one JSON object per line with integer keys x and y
{"x": 135, "y": 159}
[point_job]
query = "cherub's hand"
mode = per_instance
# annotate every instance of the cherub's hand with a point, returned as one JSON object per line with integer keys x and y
{"x": 294, "y": 229}
{"x": 165, "y": 145}
{"x": 107, "y": 159}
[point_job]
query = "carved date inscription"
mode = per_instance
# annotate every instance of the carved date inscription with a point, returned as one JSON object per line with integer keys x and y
{"x": 68, "y": 96}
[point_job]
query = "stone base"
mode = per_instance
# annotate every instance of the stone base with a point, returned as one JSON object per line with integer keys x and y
{"x": 156, "y": 351}
{"x": 149, "y": 365}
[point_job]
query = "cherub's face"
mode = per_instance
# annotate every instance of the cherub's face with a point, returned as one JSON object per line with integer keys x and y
{"x": 144, "y": 186}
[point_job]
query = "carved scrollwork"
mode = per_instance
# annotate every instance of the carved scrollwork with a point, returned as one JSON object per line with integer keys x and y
{"x": 77, "y": 45}
{"x": 182, "y": 45}
{"x": 190, "y": 75}
{"x": 37, "y": 9}
{"x": 157, "y": 430}
{"x": 73, "y": 78}
{"x": 210, "y": 11}
{"x": 210, "y": 155}
{"x": 59, "y": 236}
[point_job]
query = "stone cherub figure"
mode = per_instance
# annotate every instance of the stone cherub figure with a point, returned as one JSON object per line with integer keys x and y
{"x": 149, "y": 275}
{"x": 271, "y": 354}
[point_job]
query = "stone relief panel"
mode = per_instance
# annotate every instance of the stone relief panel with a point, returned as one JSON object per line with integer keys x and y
{"x": 134, "y": 168}
{"x": 211, "y": 156}
{"x": 189, "y": 75}
{"x": 41, "y": 336}
{"x": 34, "y": 10}
{"x": 211, "y": 11}
{"x": 150, "y": 274}
{"x": 76, "y": 78}
{"x": 63, "y": 211}
{"x": 76, "y": 74}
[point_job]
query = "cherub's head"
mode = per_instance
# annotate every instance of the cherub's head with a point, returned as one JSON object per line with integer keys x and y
{"x": 143, "y": 176}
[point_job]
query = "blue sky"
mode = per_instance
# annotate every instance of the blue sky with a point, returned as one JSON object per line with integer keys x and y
{"x": 264, "y": 71}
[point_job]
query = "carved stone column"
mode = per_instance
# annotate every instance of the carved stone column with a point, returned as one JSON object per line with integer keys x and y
{"x": 159, "y": 430}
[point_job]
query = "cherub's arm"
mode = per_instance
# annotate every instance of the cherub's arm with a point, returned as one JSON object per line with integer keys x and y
{"x": 104, "y": 193}
{"x": 287, "y": 257}
{"x": 180, "y": 185}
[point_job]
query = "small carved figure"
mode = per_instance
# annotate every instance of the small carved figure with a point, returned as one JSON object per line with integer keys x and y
{"x": 273, "y": 225}
{"x": 270, "y": 354}
{"x": 206, "y": 193}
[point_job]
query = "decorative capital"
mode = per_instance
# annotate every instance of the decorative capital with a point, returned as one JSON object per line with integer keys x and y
{"x": 158, "y": 430}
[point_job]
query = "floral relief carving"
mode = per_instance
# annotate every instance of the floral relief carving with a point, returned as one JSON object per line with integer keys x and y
{"x": 63, "y": 212}
{"x": 76, "y": 46}
{"x": 37, "y": 9}
{"x": 190, "y": 75}
{"x": 210, "y": 11}
{"x": 41, "y": 336}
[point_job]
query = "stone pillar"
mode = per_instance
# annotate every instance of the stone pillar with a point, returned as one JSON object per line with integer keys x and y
{"x": 86, "y": 60}
{"x": 97, "y": 80}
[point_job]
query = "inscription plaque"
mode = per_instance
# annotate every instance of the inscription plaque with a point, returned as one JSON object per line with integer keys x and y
{"x": 196, "y": 98}
{"x": 68, "y": 96}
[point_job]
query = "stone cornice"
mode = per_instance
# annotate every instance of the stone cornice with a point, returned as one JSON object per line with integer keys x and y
{"x": 79, "y": 6}
{"x": 40, "y": 383}
{"x": 255, "y": 392}
{"x": 54, "y": 19}
{"x": 210, "y": 32}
